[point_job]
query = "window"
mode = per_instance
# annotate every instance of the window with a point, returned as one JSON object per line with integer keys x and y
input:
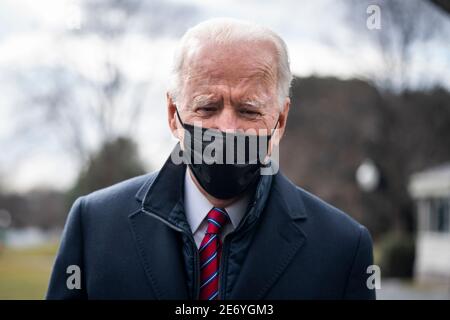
{"x": 440, "y": 215}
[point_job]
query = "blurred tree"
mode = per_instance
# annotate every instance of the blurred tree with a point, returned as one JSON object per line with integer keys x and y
{"x": 335, "y": 125}
{"x": 397, "y": 254}
{"x": 113, "y": 18}
{"x": 402, "y": 42}
{"x": 443, "y": 4}
{"x": 41, "y": 208}
{"x": 117, "y": 160}
{"x": 90, "y": 109}
{"x": 411, "y": 113}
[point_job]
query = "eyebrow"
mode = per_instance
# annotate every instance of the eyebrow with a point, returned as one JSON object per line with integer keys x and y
{"x": 205, "y": 99}
{"x": 253, "y": 102}
{"x": 202, "y": 100}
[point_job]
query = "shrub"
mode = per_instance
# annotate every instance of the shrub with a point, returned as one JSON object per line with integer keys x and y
{"x": 397, "y": 254}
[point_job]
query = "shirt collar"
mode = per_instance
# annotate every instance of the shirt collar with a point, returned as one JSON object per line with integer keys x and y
{"x": 197, "y": 205}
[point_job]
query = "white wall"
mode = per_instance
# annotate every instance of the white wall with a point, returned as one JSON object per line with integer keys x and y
{"x": 432, "y": 255}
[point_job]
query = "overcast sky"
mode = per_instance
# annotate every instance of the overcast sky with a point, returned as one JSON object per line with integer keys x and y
{"x": 38, "y": 34}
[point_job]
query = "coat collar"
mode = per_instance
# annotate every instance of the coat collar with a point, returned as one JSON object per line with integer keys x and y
{"x": 162, "y": 193}
{"x": 164, "y": 188}
{"x": 279, "y": 235}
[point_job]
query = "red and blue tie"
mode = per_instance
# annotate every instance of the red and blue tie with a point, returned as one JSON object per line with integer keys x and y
{"x": 210, "y": 250}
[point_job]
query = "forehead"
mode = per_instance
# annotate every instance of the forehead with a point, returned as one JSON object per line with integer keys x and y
{"x": 239, "y": 63}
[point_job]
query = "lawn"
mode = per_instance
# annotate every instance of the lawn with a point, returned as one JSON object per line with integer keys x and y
{"x": 24, "y": 273}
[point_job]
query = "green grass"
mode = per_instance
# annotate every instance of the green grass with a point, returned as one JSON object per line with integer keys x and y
{"x": 24, "y": 273}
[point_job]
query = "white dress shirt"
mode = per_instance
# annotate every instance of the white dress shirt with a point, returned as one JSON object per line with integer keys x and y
{"x": 197, "y": 206}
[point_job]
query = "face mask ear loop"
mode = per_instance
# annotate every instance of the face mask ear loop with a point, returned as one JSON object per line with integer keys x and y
{"x": 276, "y": 124}
{"x": 182, "y": 124}
{"x": 271, "y": 134}
{"x": 179, "y": 118}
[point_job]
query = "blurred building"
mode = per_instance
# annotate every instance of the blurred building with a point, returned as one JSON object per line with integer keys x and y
{"x": 431, "y": 192}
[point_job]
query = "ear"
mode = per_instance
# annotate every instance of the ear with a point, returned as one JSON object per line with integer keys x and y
{"x": 174, "y": 124}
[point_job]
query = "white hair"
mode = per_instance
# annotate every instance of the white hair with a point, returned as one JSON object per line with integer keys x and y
{"x": 228, "y": 30}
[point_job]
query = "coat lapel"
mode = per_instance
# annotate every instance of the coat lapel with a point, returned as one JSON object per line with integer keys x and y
{"x": 278, "y": 237}
{"x": 277, "y": 240}
{"x": 157, "y": 236}
{"x": 160, "y": 250}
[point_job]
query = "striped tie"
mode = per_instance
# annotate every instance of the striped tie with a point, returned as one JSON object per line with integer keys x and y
{"x": 210, "y": 250}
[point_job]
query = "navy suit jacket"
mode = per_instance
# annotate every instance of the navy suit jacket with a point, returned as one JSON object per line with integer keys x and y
{"x": 130, "y": 241}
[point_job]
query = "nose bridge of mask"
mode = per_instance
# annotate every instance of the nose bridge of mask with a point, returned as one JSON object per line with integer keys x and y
{"x": 230, "y": 147}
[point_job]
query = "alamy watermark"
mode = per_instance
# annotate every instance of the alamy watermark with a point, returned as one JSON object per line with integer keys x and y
{"x": 374, "y": 280}
{"x": 212, "y": 146}
{"x": 373, "y": 21}
{"x": 74, "y": 279}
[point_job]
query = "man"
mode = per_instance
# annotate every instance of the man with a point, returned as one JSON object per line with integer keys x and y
{"x": 201, "y": 229}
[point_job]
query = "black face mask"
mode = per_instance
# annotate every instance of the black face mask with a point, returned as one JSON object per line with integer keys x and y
{"x": 225, "y": 164}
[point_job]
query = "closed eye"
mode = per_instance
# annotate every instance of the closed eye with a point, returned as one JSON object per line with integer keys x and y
{"x": 249, "y": 113}
{"x": 207, "y": 108}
